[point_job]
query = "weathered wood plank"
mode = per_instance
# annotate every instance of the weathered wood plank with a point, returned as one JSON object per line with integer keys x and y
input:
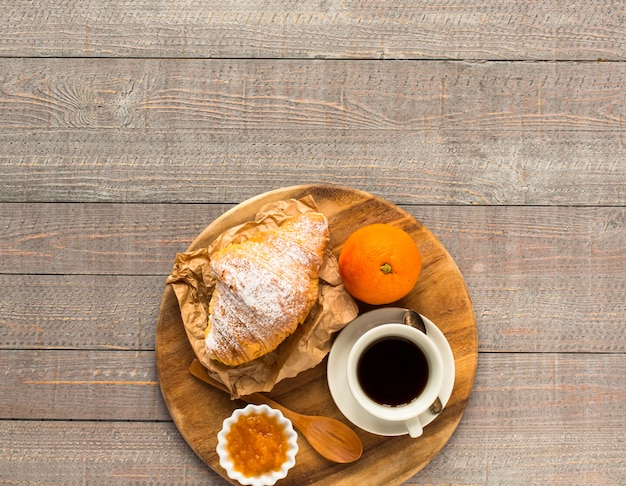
{"x": 179, "y": 109}
{"x": 425, "y": 167}
{"x": 541, "y": 278}
{"x": 128, "y": 94}
{"x": 511, "y": 241}
{"x": 534, "y": 313}
{"x": 496, "y": 29}
{"x": 528, "y": 455}
{"x": 188, "y": 131}
{"x": 142, "y": 239}
{"x": 511, "y": 390}
{"x": 117, "y": 239}
{"x": 85, "y": 312}
{"x": 80, "y": 385}
{"x": 154, "y": 453}
{"x": 534, "y": 274}
{"x": 548, "y": 427}
{"x": 99, "y": 453}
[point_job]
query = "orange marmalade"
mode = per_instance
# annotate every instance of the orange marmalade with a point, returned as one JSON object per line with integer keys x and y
{"x": 257, "y": 444}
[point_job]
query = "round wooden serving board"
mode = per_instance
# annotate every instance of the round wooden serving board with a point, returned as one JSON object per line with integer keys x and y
{"x": 440, "y": 294}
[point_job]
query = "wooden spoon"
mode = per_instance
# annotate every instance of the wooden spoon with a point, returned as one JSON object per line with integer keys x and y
{"x": 333, "y": 440}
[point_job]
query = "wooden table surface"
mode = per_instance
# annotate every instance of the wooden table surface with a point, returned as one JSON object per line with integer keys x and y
{"x": 127, "y": 127}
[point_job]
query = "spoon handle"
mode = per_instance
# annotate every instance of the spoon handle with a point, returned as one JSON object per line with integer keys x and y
{"x": 258, "y": 398}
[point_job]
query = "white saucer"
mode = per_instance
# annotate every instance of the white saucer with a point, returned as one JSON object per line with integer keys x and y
{"x": 338, "y": 381}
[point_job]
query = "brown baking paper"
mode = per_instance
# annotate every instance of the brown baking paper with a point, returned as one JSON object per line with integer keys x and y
{"x": 193, "y": 283}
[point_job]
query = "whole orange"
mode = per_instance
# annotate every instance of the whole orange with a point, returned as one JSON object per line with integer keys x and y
{"x": 379, "y": 263}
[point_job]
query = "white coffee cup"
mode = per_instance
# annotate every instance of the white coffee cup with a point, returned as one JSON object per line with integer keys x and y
{"x": 386, "y": 374}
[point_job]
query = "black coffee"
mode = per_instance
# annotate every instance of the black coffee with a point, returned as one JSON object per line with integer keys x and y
{"x": 393, "y": 371}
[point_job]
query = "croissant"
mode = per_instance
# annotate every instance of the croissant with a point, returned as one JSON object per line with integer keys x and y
{"x": 266, "y": 286}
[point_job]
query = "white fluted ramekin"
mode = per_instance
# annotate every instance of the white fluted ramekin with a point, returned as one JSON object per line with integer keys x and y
{"x": 267, "y": 479}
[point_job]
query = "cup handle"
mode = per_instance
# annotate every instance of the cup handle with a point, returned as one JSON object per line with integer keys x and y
{"x": 414, "y": 426}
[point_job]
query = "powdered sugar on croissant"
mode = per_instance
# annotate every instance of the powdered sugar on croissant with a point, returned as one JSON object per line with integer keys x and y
{"x": 266, "y": 286}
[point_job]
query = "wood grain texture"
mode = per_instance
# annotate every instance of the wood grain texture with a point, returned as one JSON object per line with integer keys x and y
{"x": 440, "y": 293}
{"x": 127, "y": 127}
{"x": 541, "y": 279}
{"x": 110, "y": 239}
{"x": 538, "y": 421}
{"x": 192, "y": 131}
{"x": 79, "y": 385}
{"x": 252, "y": 94}
{"x": 451, "y": 167}
{"x": 155, "y": 452}
{"x": 87, "y": 312}
{"x": 538, "y": 313}
{"x": 495, "y": 29}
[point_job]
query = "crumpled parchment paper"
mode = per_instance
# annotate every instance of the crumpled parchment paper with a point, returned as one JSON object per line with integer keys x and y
{"x": 193, "y": 283}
